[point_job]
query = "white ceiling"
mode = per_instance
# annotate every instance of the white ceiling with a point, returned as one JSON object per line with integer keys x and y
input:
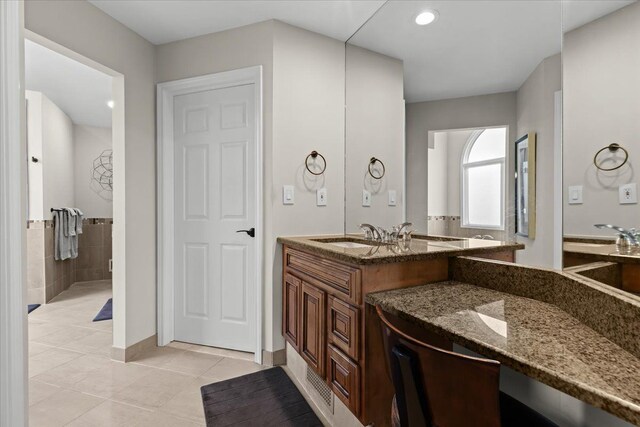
{"x": 80, "y": 91}
{"x": 164, "y": 21}
{"x": 475, "y": 47}
{"x": 576, "y": 13}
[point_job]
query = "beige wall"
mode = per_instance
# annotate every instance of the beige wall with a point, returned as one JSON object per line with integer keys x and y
{"x": 308, "y": 114}
{"x": 34, "y": 149}
{"x": 438, "y": 175}
{"x": 444, "y": 167}
{"x": 459, "y": 113}
{"x": 535, "y": 111}
{"x": 228, "y": 50}
{"x": 84, "y": 29}
{"x": 601, "y": 80}
{"x": 89, "y": 143}
{"x": 303, "y": 100}
{"x": 50, "y": 140}
{"x": 57, "y": 153}
{"x": 457, "y": 141}
{"x": 374, "y": 127}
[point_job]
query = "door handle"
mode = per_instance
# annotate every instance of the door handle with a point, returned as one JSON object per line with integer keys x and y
{"x": 251, "y": 232}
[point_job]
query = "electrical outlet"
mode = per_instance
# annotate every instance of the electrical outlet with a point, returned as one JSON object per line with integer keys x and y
{"x": 366, "y": 198}
{"x": 321, "y": 197}
{"x": 288, "y": 195}
{"x": 627, "y": 194}
{"x": 392, "y": 198}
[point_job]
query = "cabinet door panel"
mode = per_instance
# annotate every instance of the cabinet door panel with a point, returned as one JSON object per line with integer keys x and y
{"x": 312, "y": 327}
{"x": 291, "y": 313}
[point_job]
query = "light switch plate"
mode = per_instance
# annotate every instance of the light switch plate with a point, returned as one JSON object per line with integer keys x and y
{"x": 321, "y": 197}
{"x": 288, "y": 194}
{"x": 575, "y": 194}
{"x": 627, "y": 194}
{"x": 392, "y": 198}
{"x": 366, "y": 198}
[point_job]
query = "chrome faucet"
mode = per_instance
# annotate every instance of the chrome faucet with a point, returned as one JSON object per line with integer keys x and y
{"x": 370, "y": 232}
{"x": 402, "y": 231}
{"x": 401, "y": 228}
{"x": 379, "y": 234}
{"x": 626, "y": 237}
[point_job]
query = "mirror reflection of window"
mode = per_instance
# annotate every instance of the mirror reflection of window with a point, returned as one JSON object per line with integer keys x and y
{"x": 483, "y": 177}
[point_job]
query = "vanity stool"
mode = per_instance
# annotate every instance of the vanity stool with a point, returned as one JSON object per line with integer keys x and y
{"x": 445, "y": 389}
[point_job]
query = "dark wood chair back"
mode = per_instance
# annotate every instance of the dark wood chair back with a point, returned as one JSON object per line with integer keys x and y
{"x": 438, "y": 388}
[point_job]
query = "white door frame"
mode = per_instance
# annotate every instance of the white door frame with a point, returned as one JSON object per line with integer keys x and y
{"x": 165, "y": 181}
{"x": 13, "y": 313}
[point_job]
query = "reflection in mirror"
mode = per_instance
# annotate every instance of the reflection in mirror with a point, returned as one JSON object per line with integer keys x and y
{"x": 466, "y": 175}
{"x": 601, "y": 79}
{"x": 444, "y": 108}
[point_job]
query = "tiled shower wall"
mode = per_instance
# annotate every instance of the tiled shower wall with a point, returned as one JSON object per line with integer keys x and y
{"x": 47, "y": 277}
{"x": 94, "y": 250}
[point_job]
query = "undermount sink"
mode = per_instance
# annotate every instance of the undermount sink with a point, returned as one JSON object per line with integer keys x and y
{"x": 448, "y": 244}
{"x": 345, "y": 242}
{"x": 587, "y": 245}
{"x": 349, "y": 245}
{"x": 437, "y": 238}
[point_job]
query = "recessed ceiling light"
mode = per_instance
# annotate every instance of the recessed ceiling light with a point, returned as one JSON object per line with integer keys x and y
{"x": 110, "y": 104}
{"x": 426, "y": 17}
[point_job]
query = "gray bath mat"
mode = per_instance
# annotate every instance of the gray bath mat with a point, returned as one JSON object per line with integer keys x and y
{"x": 264, "y": 398}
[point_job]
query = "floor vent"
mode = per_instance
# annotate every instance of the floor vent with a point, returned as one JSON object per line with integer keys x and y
{"x": 321, "y": 387}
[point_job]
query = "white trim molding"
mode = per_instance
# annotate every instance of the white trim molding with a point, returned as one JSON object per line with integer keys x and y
{"x": 165, "y": 197}
{"x": 13, "y": 311}
{"x": 558, "y": 235}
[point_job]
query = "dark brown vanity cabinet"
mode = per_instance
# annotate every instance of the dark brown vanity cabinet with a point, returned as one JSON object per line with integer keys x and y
{"x": 320, "y": 321}
{"x": 324, "y": 319}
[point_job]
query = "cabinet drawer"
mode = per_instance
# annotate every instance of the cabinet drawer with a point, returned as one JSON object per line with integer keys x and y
{"x": 343, "y": 326}
{"x": 334, "y": 277}
{"x": 344, "y": 378}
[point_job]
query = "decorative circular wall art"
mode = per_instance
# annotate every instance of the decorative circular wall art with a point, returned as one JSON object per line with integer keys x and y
{"x": 102, "y": 175}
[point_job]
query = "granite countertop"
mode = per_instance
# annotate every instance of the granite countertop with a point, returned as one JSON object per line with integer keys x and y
{"x": 419, "y": 248}
{"x": 604, "y": 251}
{"x": 535, "y": 338}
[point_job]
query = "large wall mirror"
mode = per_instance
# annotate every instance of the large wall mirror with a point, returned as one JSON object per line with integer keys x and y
{"x": 442, "y": 106}
{"x": 601, "y": 141}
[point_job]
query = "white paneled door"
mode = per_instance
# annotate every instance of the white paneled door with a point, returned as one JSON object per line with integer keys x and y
{"x": 215, "y": 219}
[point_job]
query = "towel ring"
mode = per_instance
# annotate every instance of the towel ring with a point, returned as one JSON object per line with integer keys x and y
{"x": 372, "y": 162}
{"x": 611, "y": 147}
{"x": 314, "y": 154}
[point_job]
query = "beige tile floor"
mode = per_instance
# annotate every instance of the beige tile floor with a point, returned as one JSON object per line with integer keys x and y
{"x": 72, "y": 380}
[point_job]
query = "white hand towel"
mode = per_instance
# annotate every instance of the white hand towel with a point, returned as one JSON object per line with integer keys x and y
{"x": 79, "y": 220}
{"x": 62, "y": 242}
{"x": 71, "y": 225}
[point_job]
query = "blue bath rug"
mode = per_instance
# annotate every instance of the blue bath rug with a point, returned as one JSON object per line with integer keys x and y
{"x": 32, "y": 307}
{"x": 105, "y": 313}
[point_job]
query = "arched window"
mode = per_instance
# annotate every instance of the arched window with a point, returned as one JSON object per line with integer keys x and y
{"x": 483, "y": 179}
